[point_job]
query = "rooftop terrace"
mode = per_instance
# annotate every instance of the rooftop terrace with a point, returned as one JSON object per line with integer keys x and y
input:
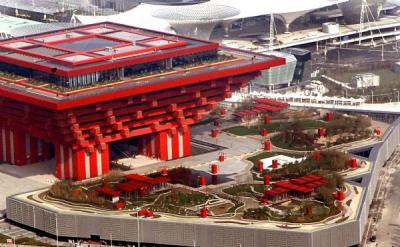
{"x": 92, "y": 48}
{"x": 87, "y": 47}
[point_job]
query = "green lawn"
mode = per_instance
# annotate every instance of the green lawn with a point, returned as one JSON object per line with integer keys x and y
{"x": 245, "y": 190}
{"x": 295, "y": 212}
{"x": 176, "y": 202}
{"x": 273, "y": 127}
{"x": 279, "y": 141}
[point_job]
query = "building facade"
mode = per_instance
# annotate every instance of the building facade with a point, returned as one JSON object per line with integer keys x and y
{"x": 68, "y": 94}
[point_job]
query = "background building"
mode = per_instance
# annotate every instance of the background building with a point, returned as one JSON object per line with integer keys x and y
{"x": 365, "y": 80}
{"x": 276, "y": 77}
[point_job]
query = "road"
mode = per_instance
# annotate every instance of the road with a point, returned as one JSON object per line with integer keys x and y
{"x": 384, "y": 220}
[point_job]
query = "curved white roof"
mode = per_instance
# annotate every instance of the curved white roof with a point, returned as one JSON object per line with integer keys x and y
{"x": 142, "y": 15}
{"x": 250, "y": 8}
{"x": 139, "y": 17}
{"x": 197, "y": 12}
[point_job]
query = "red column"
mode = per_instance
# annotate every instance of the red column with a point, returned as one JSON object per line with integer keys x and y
{"x": 45, "y": 150}
{"x": 68, "y": 172}
{"x": 175, "y": 143}
{"x": 93, "y": 163}
{"x": 78, "y": 157}
{"x": 7, "y": 144}
{"x": 81, "y": 164}
{"x": 1, "y": 145}
{"x": 186, "y": 141}
{"x": 19, "y": 147}
{"x": 149, "y": 146}
{"x": 59, "y": 160}
{"x": 161, "y": 145}
{"x": 34, "y": 152}
{"x": 140, "y": 144}
{"x": 105, "y": 160}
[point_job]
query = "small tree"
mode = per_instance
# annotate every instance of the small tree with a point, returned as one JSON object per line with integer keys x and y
{"x": 324, "y": 194}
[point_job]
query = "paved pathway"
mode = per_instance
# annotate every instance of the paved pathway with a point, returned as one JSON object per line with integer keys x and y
{"x": 233, "y": 147}
{"x": 387, "y": 207}
{"x": 20, "y": 179}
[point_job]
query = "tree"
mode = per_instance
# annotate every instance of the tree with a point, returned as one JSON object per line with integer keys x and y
{"x": 324, "y": 194}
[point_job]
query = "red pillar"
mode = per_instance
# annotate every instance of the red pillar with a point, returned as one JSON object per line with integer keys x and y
{"x": 266, "y": 180}
{"x": 58, "y": 150}
{"x": 267, "y": 119}
{"x": 2, "y": 158}
{"x": 264, "y": 132}
{"x": 68, "y": 163}
{"x": 175, "y": 143}
{"x": 203, "y": 213}
{"x": 161, "y": 145}
{"x": 93, "y": 162}
{"x": 267, "y": 145}
{"x": 19, "y": 147}
{"x": 202, "y": 181}
{"x": 214, "y": 133}
{"x": 7, "y": 144}
{"x": 214, "y": 169}
{"x": 321, "y": 132}
{"x": 45, "y": 150}
{"x": 353, "y": 163}
{"x": 260, "y": 166}
{"x": 34, "y": 152}
{"x": 317, "y": 155}
{"x": 186, "y": 141}
{"x": 79, "y": 163}
{"x": 275, "y": 164}
{"x": 105, "y": 159}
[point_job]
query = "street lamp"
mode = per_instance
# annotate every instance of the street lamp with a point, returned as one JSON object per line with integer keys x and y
{"x": 57, "y": 229}
{"x": 138, "y": 229}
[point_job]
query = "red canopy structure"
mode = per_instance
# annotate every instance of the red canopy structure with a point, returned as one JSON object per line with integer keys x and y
{"x": 262, "y": 106}
{"x": 272, "y": 102}
{"x": 107, "y": 191}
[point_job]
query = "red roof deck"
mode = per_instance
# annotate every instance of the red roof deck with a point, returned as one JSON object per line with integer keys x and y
{"x": 276, "y": 191}
{"x": 146, "y": 180}
{"x": 96, "y": 47}
{"x": 293, "y": 187}
{"x": 262, "y": 105}
{"x": 107, "y": 191}
{"x": 271, "y": 102}
{"x": 131, "y": 186}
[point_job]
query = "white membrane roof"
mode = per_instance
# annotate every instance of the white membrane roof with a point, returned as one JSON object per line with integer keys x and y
{"x": 142, "y": 15}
